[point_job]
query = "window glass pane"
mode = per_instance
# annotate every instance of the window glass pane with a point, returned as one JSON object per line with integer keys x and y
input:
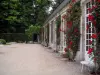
{"x": 87, "y": 42}
{"x": 87, "y": 5}
{"x": 90, "y": 30}
{"x": 87, "y": 48}
{"x": 90, "y": 24}
{"x": 87, "y": 11}
{"x": 92, "y": 2}
{"x": 87, "y": 36}
{"x": 87, "y": 19}
{"x": 93, "y": 30}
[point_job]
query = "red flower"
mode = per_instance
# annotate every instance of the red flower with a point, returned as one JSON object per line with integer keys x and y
{"x": 90, "y": 10}
{"x": 94, "y": 22}
{"x": 69, "y": 46}
{"x": 90, "y": 50}
{"x": 71, "y": 42}
{"x": 98, "y": 1}
{"x": 94, "y": 36}
{"x": 75, "y": 30}
{"x": 69, "y": 24}
{"x": 94, "y": 7}
{"x": 91, "y": 17}
{"x": 73, "y": 0}
{"x": 65, "y": 49}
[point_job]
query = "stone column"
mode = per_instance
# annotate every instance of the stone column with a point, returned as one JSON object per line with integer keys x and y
{"x": 49, "y": 34}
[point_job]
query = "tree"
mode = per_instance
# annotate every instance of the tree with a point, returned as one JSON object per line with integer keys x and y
{"x": 32, "y": 29}
{"x": 18, "y": 15}
{"x": 40, "y": 10}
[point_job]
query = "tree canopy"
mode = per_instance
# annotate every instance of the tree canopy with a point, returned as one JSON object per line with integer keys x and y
{"x": 17, "y": 15}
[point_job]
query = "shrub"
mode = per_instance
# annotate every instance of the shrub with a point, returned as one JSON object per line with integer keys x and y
{"x": 2, "y": 41}
{"x": 32, "y": 30}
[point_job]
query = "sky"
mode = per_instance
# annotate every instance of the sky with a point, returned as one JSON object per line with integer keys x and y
{"x": 50, "y": 8}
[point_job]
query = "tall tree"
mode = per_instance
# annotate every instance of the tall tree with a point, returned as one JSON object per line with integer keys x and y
{"x": 40, "y": 10}
{"x": 17, "y": 15}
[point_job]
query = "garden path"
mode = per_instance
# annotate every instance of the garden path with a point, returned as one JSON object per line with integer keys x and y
{"x": 34, "y": 59}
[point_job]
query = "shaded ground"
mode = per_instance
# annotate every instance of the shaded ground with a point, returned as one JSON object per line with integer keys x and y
{"x": 34, "y": 59}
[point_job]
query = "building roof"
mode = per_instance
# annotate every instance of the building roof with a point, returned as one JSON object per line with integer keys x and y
{"x": 57, "y": 10}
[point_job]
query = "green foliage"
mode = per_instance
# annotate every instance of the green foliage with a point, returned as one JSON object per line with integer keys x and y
{"x": 73, "y": 32}
{"x": 17, "y": 15}
{"x": 31, "y": 30}
{"x": 12, "y": 16}
{"x": 58, "y": 23}
{"x": 14, "y": 37}
{"x": 40, "y": 11}
{"x": 96, "y": 52}
{"x": 2, "y": 41}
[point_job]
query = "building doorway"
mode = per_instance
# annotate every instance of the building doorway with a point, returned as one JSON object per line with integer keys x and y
{"x": 35, "y": 37}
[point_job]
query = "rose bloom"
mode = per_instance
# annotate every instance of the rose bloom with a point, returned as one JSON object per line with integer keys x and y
{"x": 65, "y": 49}
{"x": 94, "y": 36}
{"x": 91, "y": 17}
{"x": 90, "y": 50}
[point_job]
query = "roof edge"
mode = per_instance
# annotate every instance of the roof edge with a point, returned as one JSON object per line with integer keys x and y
{"x": 57, "y": 10}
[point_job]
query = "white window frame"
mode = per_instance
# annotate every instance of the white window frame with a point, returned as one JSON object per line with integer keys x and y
{"x": 88, "y": 33}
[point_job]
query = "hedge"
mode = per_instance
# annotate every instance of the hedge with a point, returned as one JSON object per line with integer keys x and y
{"x": 2, "y": 41}
{"x": 14, "y": 37}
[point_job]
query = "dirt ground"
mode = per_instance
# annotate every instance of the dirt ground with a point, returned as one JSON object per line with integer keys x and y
{"x": 34, "y": 59}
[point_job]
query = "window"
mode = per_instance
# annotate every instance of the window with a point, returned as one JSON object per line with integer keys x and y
{"x": 89, "y": 28}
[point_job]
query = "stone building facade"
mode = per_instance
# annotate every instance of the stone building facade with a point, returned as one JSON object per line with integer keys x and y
{"x": 50, "y": 34}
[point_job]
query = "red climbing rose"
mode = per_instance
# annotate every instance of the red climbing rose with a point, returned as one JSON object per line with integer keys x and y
{"x": 69, "y": 24}
{"x": 94, "y": 22}
{"x": 65, "y": 49}
{"x": 98, "y": 1}
{"x": 91, "y": 17}
{"x": 73, "y": 0}
{"x": 90, "y": 50}
{"x": 94, "y": 7}
{"x": 94, "y": 36}
{"x": 90, "y": 10}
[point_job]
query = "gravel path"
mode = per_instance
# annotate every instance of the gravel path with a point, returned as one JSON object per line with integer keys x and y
{"x": 34, "y": 59}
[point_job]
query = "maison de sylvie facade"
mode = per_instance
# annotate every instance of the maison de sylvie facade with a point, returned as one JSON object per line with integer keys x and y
{"x": 50, "y": 33}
